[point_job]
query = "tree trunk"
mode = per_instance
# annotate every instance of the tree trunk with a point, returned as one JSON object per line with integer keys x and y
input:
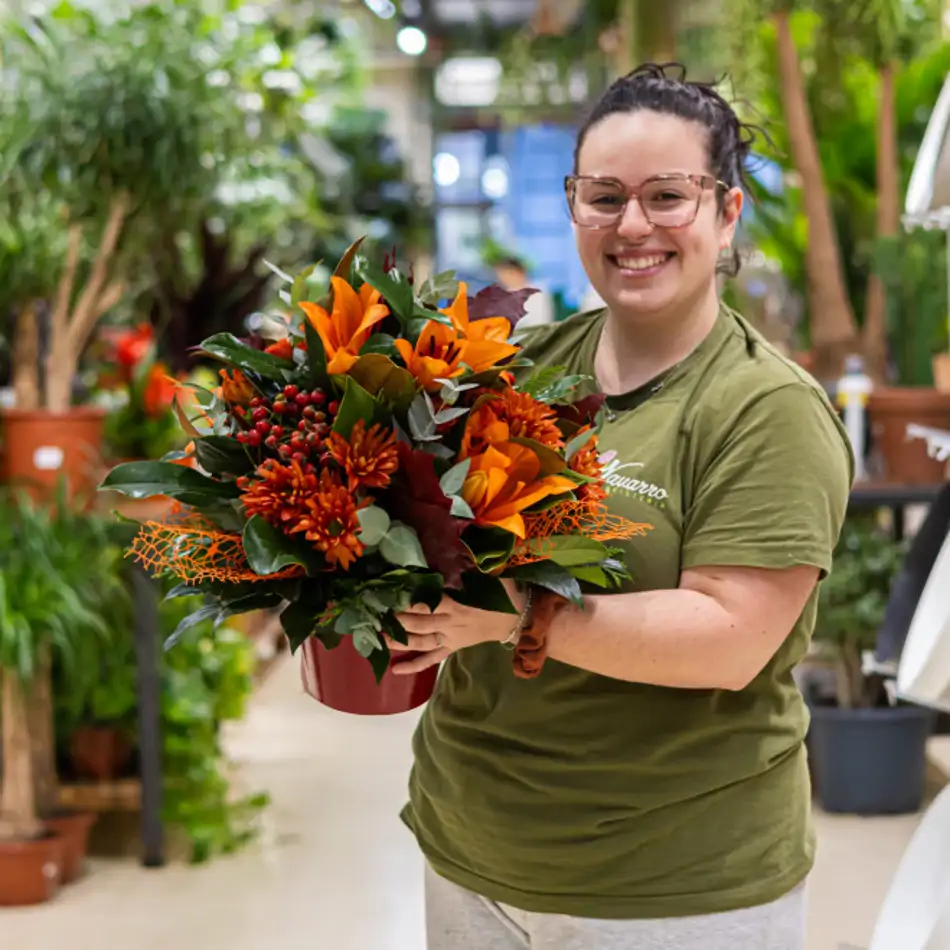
{"x": 656, "y": 30}
{"x": 43, "y": 736}
{"x": 26, "y": 357}
{"x": 888, "y": 222}
{"x": 833, "y": 329}
{"x": 17, "y": 802}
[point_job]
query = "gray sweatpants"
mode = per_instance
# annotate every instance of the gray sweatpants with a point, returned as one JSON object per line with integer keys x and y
{"x": 457, "y": 919}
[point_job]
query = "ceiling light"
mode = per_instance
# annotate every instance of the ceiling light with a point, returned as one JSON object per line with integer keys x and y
{"x": 412, "y": 41}
{"x": 446, "y": 169}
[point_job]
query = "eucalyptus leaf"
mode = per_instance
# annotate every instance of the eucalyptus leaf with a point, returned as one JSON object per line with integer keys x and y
{"x": 374, "y": 523}
{"x": 461, "y": 508}
{"x": 401, "y": 546}
{"x": 452, "y": 481}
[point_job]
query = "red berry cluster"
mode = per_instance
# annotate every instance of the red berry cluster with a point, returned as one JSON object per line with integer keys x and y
{"x": 293, "y": 425}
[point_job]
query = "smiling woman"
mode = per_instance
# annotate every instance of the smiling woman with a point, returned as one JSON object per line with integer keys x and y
{"x": 648, "y": 786}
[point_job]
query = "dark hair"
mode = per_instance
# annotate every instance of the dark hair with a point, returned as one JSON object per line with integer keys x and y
{"x": 663, "y": 88}
{"x": 515, "y": 263}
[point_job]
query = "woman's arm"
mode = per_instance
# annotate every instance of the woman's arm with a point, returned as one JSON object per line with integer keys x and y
{"x": 717, "y": 630}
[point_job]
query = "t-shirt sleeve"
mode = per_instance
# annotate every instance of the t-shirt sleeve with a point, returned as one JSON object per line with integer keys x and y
{"x": 776, "y": 491}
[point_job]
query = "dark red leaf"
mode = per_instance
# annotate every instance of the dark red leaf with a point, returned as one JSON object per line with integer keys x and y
{"x": 417, "y": 500}
{"x": 583, "y": 412}
{"x": 495, "y": 301}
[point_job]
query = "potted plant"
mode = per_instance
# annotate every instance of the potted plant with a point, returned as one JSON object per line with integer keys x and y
{"x": 45, "y": 604}
{"x": 67, "y": 139}
{"x": 913, "y": 269}
{"x": 869, "y": 755}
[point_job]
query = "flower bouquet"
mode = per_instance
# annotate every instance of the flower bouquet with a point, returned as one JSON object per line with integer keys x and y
{"x": 377, "y": 453}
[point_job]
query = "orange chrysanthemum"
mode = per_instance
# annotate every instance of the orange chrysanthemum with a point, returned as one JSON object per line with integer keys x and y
{"x": 280, "y": 493}
{"x": 586, "y": 461}
{"x": 236, "y": 388}
{"x": 331, "y": 522}
{"x": 369, "y": 458}
{"x": 512, "y": 415}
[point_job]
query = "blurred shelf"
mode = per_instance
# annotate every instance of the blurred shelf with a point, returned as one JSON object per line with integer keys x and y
{"x": 890, "y": 494}
{"x": 120, "y": 795}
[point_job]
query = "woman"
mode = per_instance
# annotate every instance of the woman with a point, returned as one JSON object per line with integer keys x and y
{"x": 649, "y": 788}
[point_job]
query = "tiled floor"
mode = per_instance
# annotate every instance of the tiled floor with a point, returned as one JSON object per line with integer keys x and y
{"x": 337, "y": 871}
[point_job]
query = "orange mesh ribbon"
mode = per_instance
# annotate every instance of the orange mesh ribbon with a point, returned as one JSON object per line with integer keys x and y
{"x": 194, "y": 550}
{"x": 573, "y": 517}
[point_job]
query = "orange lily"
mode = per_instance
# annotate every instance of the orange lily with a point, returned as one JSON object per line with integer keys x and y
{"x": 284, "y": 349}
{"x": 489, "y": 328}
{"x": 503, "y": 481}
{"x": 437, "y": 355}
{"x": 159, "y": 391}
{"x": 346, "y": 329}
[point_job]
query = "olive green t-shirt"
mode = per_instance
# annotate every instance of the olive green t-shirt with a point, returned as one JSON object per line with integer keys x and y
{"x": 579, "y": 794}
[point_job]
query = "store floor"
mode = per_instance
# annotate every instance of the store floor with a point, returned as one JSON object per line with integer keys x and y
{"x": 335, "y": 869}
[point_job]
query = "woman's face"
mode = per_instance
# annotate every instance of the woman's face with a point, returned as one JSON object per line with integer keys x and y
{"x": 639, "y": 269}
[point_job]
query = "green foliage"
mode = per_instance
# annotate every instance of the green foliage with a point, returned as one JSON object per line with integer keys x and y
{"x": 852, "y": 602}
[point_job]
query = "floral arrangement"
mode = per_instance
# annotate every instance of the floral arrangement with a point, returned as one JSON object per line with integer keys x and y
{"x": 139, "y": 394}
{"x": 378, "y": 453}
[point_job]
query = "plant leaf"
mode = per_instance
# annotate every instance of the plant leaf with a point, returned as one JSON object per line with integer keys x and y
{"x": 402, "y": 547}
{"x": 207, "y": 612}
{"x": 461, "y": 508}
{"x": 268, "y": 549}
{"x": 495, "y": 301}
{"x": 345, "y": 264}
{"x": 299, "y": 622}
{"x": 147, "y": 479}
{"x": 393, "y": 286}
{"x": 379, "y": 375}
{"x": 571, "y": 550}
{"x": 452, "y": 481}
{"x": 316, "y": 374}
{"x": 577, "y": 443}
{"x": 229, "y": 349}
{"x": 299, "y": 288}
{"x": 439, "y": 287}
{"x": 358, "y": 404}
{"x": 374, "y": 523}
{"x": 380, "y": 343}
{"x": 483, "y": 592}
{"x": 222, "y": 455}
{"x": 491, "y": 548}
{"x": 552, "y": 577}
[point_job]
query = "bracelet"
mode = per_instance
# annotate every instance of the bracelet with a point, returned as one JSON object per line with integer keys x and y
{"x": 511, "y": 641}
{"x": 532, "y": 648}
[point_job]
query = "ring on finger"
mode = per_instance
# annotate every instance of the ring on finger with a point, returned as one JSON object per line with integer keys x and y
{"x": 438, "y": 640}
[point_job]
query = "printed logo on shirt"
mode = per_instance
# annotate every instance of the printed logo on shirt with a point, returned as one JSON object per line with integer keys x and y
{"x": 620, "y": 478}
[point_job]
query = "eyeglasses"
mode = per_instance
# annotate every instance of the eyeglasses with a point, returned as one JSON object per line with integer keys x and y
{"x": 668, "y": 201}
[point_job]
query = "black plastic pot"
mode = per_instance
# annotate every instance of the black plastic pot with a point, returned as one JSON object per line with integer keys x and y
{"x": 870, "y": 761}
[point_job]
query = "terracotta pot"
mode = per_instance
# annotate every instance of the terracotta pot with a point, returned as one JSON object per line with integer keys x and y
{"x": 99, "y": 752}
{"x": 73, "y": 830}
{"x": 41, "y": 447}
{"x": 891, "y": 410}
{"x": 342, "y": 679}
{"x": 30, "y": 871}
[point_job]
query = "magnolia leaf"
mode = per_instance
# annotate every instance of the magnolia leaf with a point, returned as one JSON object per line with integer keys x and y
{"x": 374, "y": 523}
{"x": 316, "y": 372}
{"x": 299, "y": 622}
{"x": 268, "y": 549}
{"x": 230, "y": 349}
{"x": 401, "y": 546}
{"x": 592, "y": 574}
{"x": 222, "y": 455}
{"x": 358, "y": 404}
{"x": 452, "y": 481}
{"x": 345, "y": 265}
{"x": 380, "y": 343}
{"x": 147, "y": 479}
{"x": 491, "y": 548}
{"x": 552, "y": 577}
{"x": 394, "y": 287}
{"x": 483, "y": 592}
{"x": 571, "y": 550}
{"x": 379, "y": 375}
{"x": 207, "y": 612}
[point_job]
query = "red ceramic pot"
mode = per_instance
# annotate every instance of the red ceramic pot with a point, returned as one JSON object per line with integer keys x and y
{"x": 343, "y": 680}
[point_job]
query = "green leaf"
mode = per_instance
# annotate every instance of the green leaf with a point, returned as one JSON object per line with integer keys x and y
{"x": 443, "y": 286}
{"x": 425, "y": 589}
{"x": 268, "y": 549}
{"x": 491, "y": 548}
{"x": 207, "y": 612}
{"x": 401, "y": 546}
{"x": 222, "y": 455}
{"x": 393, "y": 286}
{"x": 147, "y": 479}
{"x": 577, "y": 443}
{"x": 299, "y": 622}
{"x": 380, "y": 343}
{"x": 379, "y": 660}
{"x": 592, "y": 574}
{"x": 230, "y": 349}
{"x": 552, "y": 463}
{"x": 452, "y": 481}
{"x": 461, "y": 508}
{"x": 552, "y": 577}
{"x": 483, "y": 592}
{"x": 374, "y": 523}
{"x": 358, "y": 404}
{"x": 422, "y": 423}
{"x": 380, "y": 376}
{"x": 300, "y": 285}
{"x": 345, "y": 264}
{"x": 568, "y": 550}
{"x": 274, "y": 269}
{"x": 366, "y": 641}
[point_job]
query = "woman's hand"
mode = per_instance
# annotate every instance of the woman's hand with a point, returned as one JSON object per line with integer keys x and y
{"x": 452, "y": 627}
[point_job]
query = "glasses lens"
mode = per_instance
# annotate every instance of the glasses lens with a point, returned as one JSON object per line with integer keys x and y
{"x": 597, "y": 203}
{"x": 670, "y": 202}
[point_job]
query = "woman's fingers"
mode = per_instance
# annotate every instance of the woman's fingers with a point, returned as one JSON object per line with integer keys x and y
{"x": 419, "y": 663}
{"x": 418, "y": 643}
{"x": 422, "y": 623}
